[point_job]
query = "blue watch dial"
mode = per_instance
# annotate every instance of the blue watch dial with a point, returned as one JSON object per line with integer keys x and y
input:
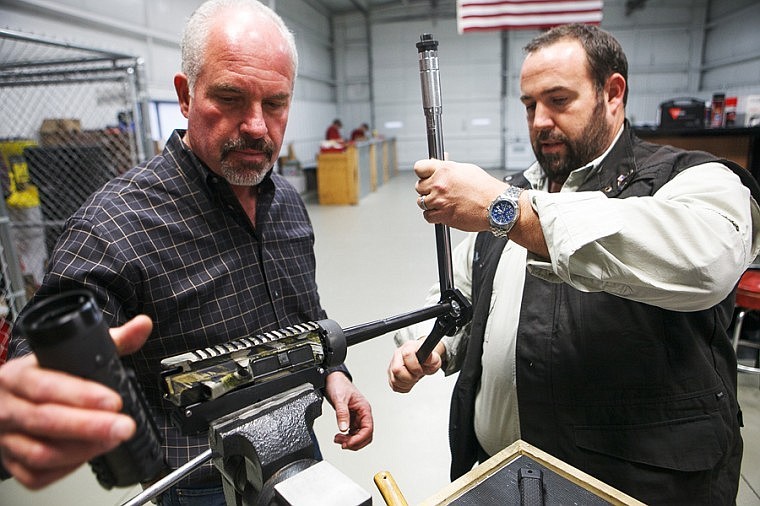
{"x": 503, "y": 212}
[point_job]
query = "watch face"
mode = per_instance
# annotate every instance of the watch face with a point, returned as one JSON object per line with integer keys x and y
{"x": 503, "y": 212}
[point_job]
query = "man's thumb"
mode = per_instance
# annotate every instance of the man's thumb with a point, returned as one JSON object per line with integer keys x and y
{"x": 343, "y": 417}
{"x": 132, "y": 335}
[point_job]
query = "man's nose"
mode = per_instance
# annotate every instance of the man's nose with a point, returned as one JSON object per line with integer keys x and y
{"x": 542, "y": 118}
{"x": 253, "y": 123}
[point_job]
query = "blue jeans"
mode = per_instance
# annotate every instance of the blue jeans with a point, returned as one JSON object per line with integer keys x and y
{"x": 188, "y": 496}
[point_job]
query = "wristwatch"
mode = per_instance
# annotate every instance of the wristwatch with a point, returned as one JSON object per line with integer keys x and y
{"x": 504, "y": 211}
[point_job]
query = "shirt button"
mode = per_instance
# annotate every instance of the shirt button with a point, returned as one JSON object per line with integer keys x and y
{"x": 276, "y": 293}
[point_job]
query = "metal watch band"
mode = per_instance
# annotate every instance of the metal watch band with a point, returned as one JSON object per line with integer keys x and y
{"x": 512, "y": 193}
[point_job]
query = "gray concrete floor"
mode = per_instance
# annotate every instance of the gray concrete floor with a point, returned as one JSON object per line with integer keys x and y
{"x": 377, "y": 260}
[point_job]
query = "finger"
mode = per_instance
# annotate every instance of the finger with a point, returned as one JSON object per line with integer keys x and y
{"x": 132, "y": 335}
{"x": 397, "y": 362}
{"x": 419, "y": 187}
{"x": 405, "y": 370}
{"x": 342, "y": 416}
{"x": 24, "y": 380}
{"x": 44, "y": 455}
{"x": 66, "y": 422}
{"x": 355, "y": 441}
{"x": 425, "y": 168}
{"x": 411, "y": 363}
{"x": 394, "y": 369}
{"x": 401, "y": 388}
{"x": 82, "y": 424}
{"x": 37, "y": 462}
{"x": 425, "y": 203}
{"x": 401, "y": 382}
{"x": 430, "y": 216}
{"x": 432, "y": 363}
{"x": 421, "y": 169}
{"x": 35, "y": 479}
{"x": 361, "y": 431}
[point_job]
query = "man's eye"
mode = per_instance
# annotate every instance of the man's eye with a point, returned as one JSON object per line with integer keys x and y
{"x": 227, "y": 99}
{"x": 559, "y": 100}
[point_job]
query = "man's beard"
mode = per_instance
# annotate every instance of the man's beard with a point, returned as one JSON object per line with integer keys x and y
{"x": 245, "y": 173}
{"x": 590, "y": 144}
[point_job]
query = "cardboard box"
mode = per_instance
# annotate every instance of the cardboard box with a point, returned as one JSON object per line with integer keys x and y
{"x": 56, "y": 131}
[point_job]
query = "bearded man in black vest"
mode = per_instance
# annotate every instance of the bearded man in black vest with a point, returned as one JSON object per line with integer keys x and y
{"x": 602, "y": 281}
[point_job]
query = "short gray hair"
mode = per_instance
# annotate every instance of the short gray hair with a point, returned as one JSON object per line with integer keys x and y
{"x": 196, "y": 32}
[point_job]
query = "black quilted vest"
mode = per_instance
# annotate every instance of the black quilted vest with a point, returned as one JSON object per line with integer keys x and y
{"x": 627, "y": 392}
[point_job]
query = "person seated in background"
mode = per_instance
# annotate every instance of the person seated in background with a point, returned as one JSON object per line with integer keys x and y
{"x": 200, "y": 245}
{"x": 361, "y": 133}
{"x": 333, "y": 131}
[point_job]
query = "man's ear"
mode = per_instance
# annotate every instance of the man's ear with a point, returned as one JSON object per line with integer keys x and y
{"x": 615, "y": 89}
{"x": 181, "y": 86}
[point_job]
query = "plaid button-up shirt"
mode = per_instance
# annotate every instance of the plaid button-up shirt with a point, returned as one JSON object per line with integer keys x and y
{"x": 170, "y": 240}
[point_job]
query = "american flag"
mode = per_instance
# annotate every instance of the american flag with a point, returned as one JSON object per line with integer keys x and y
{"x": 478, "y": 15}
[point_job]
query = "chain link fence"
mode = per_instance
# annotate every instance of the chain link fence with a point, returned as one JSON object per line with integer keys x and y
{"x": 71, "y": 118}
